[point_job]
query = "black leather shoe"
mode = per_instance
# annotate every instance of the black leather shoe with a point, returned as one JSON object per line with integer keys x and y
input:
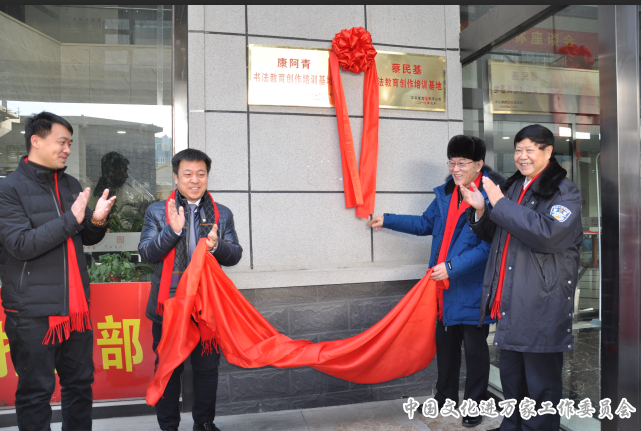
{"x": 469, "y": 421}
{"x": 495, "y": 429}
{"x": 207, "y": 426}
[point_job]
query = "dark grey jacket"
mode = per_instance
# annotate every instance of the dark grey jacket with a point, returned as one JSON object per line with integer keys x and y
{"x": 158, "y": 239}
{"x": 542, "y": 262}
{"x": 33, "y": 241}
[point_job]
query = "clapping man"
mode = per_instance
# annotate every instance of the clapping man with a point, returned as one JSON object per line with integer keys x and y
{"x": 169, "y": 236}
{"x": 534, "y": 224}
{"x": 44, "y": 222}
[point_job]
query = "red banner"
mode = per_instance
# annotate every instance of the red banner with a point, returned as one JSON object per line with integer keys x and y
{"x": 122, "y": 349}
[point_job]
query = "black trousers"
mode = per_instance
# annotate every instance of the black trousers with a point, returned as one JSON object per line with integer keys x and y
{"x": 533, "y": 375}
{"x": 35, "y": 364}
{"x": 205, "y": 368}
{"x": 448, "y": 359}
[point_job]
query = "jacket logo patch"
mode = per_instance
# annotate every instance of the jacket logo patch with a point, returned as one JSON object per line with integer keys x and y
{"x": 560, "y": 213}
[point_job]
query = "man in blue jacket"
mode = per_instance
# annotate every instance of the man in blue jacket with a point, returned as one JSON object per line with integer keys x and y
{"x": 177, "y": 224}
{"x": 464, "y": 265}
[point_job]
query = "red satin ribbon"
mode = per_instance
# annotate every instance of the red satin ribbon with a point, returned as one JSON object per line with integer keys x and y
{"x": 400, "y": 344}
{"x": 353, "y": 50}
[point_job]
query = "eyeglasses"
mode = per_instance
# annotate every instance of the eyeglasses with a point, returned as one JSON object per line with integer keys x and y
{"x": 461, "y": 165}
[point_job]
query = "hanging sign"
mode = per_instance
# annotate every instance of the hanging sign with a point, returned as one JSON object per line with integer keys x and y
{"x": 286, "y": 76}
{"x": 525, "y": 88}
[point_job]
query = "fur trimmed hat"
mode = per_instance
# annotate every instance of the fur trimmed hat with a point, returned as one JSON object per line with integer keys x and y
{"x": 469, "y": 147}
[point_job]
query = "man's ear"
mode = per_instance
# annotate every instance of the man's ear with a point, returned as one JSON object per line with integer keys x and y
{"x": 35, "y": 141}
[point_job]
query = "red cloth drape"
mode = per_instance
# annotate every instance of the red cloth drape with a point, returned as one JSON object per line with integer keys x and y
{"x": 398, "y": 345}
{"x": 353, "y": 50}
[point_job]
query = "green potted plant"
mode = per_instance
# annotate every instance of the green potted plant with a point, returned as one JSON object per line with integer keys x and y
{"x": 118, "y": 268}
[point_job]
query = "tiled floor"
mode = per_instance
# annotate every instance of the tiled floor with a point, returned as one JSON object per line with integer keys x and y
{"x": 377, "y": 416}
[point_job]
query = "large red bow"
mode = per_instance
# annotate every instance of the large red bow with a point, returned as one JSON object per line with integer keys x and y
{"x": 353, "y": 50}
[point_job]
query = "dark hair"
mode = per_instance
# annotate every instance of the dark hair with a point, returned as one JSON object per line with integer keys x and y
{"x": 190, "y": 155}
{"x": 537, "y": 134}
{"x": 40, "y": 125}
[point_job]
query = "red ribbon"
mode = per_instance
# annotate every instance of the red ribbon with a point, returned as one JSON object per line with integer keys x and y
{"x": 353, "y": 51}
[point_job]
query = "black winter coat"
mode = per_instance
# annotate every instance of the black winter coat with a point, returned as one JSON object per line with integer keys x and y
{"x": 33, "y": 240}
{"x": 158, "y": 239}
{"x": 542, "y": 262}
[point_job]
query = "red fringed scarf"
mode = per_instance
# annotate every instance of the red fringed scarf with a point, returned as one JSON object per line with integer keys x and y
{"x": 353, "y": 50}
{"x": 206, "y": 335}
{"x": 453, "y": 214}
{"x": 78, "y": 318}
{"x": 496, "y": 306}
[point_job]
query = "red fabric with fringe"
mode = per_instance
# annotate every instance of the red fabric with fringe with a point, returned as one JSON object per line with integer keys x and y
{"x": 78, "y": 318}
{"x": 454, "y": 212}
{"x": 353, "y": 51}
{"x": 400, "y": 344}
{"x": 207, "y": 336}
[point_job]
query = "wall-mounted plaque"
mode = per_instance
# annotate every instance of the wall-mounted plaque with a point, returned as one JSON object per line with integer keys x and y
{"x": 524, "y": 88}
{"x": 285, "y": 76}
{"x": 411, "y": 81}
{"x": 289, "y": 76}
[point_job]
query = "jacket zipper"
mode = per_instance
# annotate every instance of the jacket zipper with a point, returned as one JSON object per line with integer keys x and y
{"x": 64, "y": 255}
{"x": 21, "y": 276}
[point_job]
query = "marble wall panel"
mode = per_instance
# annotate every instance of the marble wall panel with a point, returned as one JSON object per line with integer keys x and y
{"x": 304, "y": 21}
{"x": 397, "y": 247}
{"x": 452, "y": 26}
{"x": 409, "y": 25}
{"x": 412, "y": 155}
{"x": 293, "y": 231}
{"x": 196, "y": 71}
{"x": 291, "y": 152}
{"x": 225, "y": 18}
{"x": 238, "y": 203}
{"x": 225, "y": 72}
{"x": 196, "y": 17}
{"x": 226, "y": 144}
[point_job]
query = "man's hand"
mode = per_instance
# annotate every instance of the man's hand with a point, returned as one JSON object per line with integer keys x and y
{"x": 474, "y": 198}
{"x": 176, "y": 216}
{"x": 376, "y": 223}
{"x": 212, "y": 238}
{"x": 493, "y": 191}
{"x": 79, "y": 206}
{"x": 439, "y": 272}
{"x": 103, "y": 206}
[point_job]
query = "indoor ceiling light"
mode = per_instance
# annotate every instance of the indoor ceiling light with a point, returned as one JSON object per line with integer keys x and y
{"x": 582, "y": 135}
{"x": 121, "y": 131}
{"x": 506, "y": 137}
{"x": 565, "y": 132}
{"x": 22, "y": 132}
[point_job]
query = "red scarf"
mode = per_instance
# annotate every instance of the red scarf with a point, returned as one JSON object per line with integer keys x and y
{"x": 78, "y": 318}
{"x": 453, "y": 214}
{"x": 496, "y": 307}
{"x": 206, "y": 335}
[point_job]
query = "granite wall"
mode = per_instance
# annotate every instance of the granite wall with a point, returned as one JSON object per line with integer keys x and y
{"x": 311, "y": 266}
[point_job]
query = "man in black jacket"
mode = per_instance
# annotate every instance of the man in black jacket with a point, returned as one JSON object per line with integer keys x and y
{"x": 534, "y": 225}
{"x": 44, "y": 222}
{"x": 169, "y": 236}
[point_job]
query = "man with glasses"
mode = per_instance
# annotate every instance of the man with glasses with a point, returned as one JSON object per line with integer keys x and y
{"x": 459, "y": 256}
{"x": 534, "y": 224}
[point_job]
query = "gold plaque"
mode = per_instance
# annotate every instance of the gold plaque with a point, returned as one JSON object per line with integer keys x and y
{"x": 524, "y": 88}
{"x": 284, "y": 76}
{"x": 411, "y": 81}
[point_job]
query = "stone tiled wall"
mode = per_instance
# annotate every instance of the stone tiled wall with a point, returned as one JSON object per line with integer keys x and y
{"x": 279, "y": 170}
{"x": 317, "y": 313}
